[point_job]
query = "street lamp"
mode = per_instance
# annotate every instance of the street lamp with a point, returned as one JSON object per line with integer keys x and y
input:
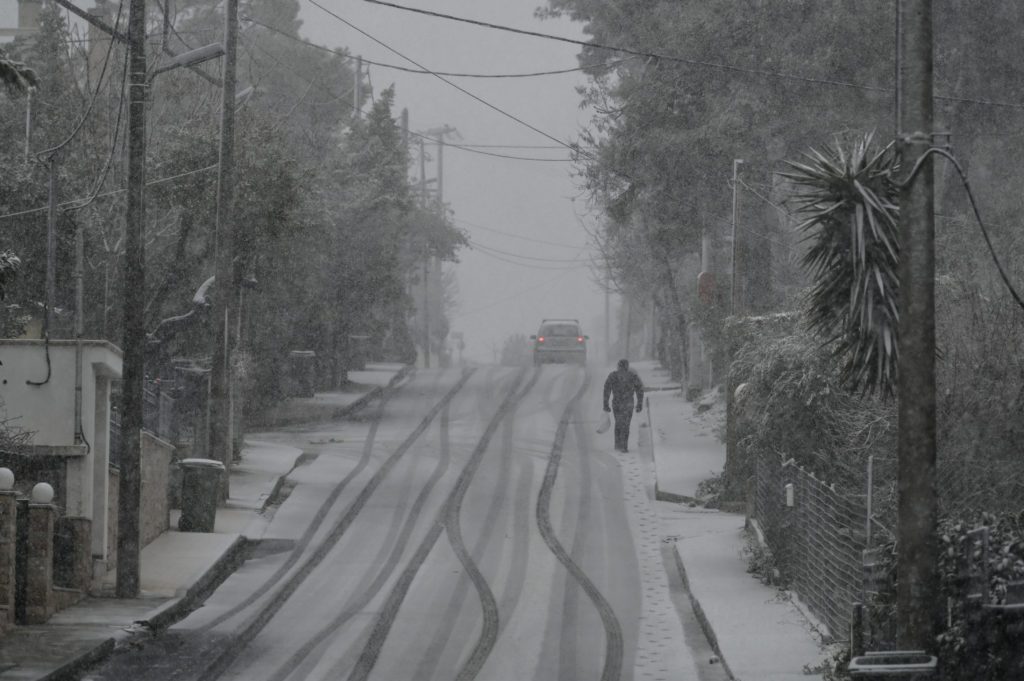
{"x": 191, "y": 58}
{"x": 735, "y": 183}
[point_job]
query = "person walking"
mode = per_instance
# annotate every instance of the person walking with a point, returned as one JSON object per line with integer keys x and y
{"x": 622, "y": 384}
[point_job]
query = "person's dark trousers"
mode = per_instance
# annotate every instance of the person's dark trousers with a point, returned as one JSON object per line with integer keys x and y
{"x": 622, "y": 420}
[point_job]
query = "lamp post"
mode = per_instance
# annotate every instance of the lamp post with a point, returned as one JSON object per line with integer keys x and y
{"x": 134, "y": 339}
{"x": 735, "y": 185}
{"x": 220, "y": 437}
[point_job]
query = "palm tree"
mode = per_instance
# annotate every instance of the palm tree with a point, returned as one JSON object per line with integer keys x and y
{"x": 15, "y": 76}
{"x": 848, "y": 199}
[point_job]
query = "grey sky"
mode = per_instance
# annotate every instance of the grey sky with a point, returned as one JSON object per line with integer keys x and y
{"x": 533, "y": 200}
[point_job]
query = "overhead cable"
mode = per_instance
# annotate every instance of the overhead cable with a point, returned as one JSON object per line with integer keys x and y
{"x": 682, "y": 60}
{"x": 112, "y": 192}
{"x": 450, "y": 83}
{"x": 425, "y": 72}
{"x": 484, "y": 247}
{"x": 463, "y": 147}
{"x": 92, "y": 100}
{"x": 575, "y": 247}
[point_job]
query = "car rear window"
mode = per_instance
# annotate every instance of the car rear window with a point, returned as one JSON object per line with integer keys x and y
{"x": 559, "y": 330}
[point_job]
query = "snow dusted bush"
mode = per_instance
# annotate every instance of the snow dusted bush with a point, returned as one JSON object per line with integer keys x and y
{"x": 793, "y": 405}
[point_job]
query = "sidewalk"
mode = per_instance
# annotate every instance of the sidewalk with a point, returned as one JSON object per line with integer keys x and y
{"x": 687, "y": 453}
{"x": 362, "y": 387}
{"x": 178, "y": 570}
{"x": 757, "y": 630}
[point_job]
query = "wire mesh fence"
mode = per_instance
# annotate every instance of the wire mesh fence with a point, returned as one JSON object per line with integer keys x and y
{"x": 823, "y": 535}
{"x": 817, "y": 534}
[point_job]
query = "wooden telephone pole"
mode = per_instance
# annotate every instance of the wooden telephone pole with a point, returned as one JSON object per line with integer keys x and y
{"x": 134, "y": 362}
{"x": 917, "y": 602}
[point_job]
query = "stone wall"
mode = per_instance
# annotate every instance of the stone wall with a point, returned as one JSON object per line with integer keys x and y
{"x": 156, "y": 472}
{"x": 113, "y": 494}
{"x": 154, "y": 514}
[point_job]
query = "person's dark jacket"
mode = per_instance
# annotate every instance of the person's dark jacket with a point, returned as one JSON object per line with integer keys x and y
{"x": 622, "y": 385}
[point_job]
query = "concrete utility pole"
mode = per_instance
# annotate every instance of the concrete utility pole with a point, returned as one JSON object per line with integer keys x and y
{"x": 608, "y": 313}
{"x": 220, "y": 436}
{"x": 133, "y": 371}
{"x": 735, "y": 272}
{"x": 918, "y": 602}
{"x": 426, "y": 260}
{"x": 51, "y": 244}
{"x": 440, "y": 175}
{"x": 357, "y": 90}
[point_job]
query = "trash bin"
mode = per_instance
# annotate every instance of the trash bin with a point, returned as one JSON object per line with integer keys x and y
{"x": 302, "y": 373}
{"x": 359, "y": 351}
{"x": 915, "y": 665}
{"x": 200, "y": 491}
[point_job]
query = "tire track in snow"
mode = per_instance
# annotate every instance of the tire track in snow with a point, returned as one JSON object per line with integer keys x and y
{"x": 302, "y": 661}
{"x": 221, "y": 663}
{"x": 567, "y": 665}
{"x": 389, "y": 612}
{"x": 490, "y": 629}
{"x": 613, "y": 653}
{"x": 314, "y": 526}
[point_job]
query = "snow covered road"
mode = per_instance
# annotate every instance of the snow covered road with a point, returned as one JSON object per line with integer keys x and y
{"x": 470, "y": 527}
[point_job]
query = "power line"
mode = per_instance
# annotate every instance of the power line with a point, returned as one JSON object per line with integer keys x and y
{"x": 517, "y": 236}
{"x": 450, "y": 83}
{"x": 425, "y": 72}
{"x": 491, "y": 249}
{"x": 512, "y": 146}
{"x": 92, "y": 100}
{"x": 682, "y": 60}
{"x": 460, "y": 147}
{"x": 472, "y": 150}
{"x": 532, "y": 266}
{"x": 161, "y": 180}
{"x": 113, "y": 145}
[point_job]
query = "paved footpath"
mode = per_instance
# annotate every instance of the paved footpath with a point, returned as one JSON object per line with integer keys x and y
{"x": 178, "y": 570}
{"x": 758, "y": 631}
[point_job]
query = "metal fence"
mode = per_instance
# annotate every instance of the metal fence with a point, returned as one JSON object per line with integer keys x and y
{"x": 817, "y": 535}
{"x": 159, "y": 417}
{"x": 822, "y": 534}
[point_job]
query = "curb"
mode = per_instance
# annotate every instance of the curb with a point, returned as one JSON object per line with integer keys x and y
{"x": 70, "y": 671}
{"x": 178, "y": 607}
{"x": 340, "y": 412}
{"x": 698, "y": 611}
{"x": 157, "y": 619}
{"x": 660, "y": 495}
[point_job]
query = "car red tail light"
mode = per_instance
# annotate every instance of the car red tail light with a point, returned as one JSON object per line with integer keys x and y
{"x": 579, "y": 339}
{"x": 540, "y": 339}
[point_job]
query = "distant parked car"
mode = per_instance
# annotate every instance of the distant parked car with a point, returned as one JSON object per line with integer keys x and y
{"x": 559, "y": 340}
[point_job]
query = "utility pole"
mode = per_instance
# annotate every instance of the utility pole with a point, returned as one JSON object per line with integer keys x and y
{"x": 405, "y": 129}
{"x": 28, "y": 124}
{"x": 629, "y": 319}
{"x": 440, "y": 175}
{"x": 735, "y": 272}
{"x": 220, "y": 436}
{"x": 51, "y": 244}
{"x": 917, "y": 599}
{"x": 357, "y": 90}
{"x": 730, "y": 385}
{"x": 133, "y": 372}
{"x": 426, "y": 260}
{"x": 607, "y": 312}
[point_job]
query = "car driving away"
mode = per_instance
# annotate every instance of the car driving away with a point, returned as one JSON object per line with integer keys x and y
{"x": 559, "y": 340}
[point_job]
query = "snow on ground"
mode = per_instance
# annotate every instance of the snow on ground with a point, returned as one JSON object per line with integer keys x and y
{"x": 761, "y": 633}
